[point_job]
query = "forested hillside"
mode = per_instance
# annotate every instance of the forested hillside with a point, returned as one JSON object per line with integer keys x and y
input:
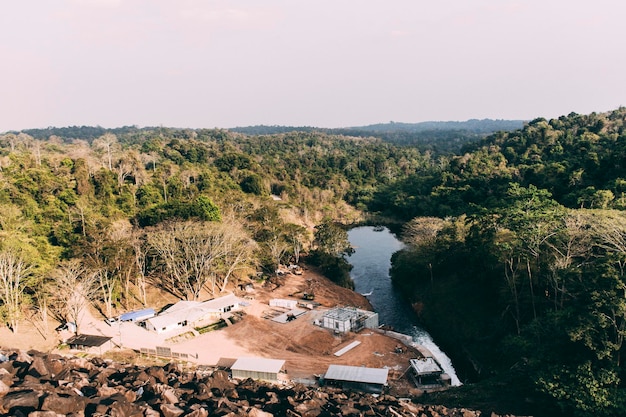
{"x": 515, "y": 260}
{"x": 88, "y": 214}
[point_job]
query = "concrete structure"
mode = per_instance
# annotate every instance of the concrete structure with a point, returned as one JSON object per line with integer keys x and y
{"x": 426, "y": 371}
{"x": 283, "y": 303}
{"x": 258, "y": 368}
{"x": 192, "y": 313}
{"x": 90, "y": 343}
{"x": 359, "y": 378}
{"x": 349, "y": 319}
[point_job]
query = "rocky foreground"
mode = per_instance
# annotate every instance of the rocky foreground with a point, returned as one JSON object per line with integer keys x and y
{"x": 35, "y": 384}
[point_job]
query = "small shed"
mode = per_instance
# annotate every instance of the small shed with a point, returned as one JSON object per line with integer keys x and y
{"x": 90, "y": 343}
{"x": 257, "y": 368}
{"x": 359, "y": 378}
{"x": 349, "y": 319}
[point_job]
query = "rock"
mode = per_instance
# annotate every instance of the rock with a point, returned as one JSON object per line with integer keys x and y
{"x": 203, "y": 392}
{"x": 309, "y": 408}
{"x": 4, "y": 388}
{"x": 43, "y": 414}
{"x": 131, "y": 396}
{"x": 170, "y": 410}
{"x": 103, "y": 376}
{"x": 38, "y": 367}
{"x": 81, "y": 363}
{"x": 348, "y": 410}
{"x": 125, "y": 409}
{"x": 169, "y": 396}
{"x": 468, "y": 413}
{"x": 272, "y": 398}
{"x": 157, "y": 373}
{"x": 106, "y": 391}
{"x": 255, "y": 412}
{"x": 150, "y": 412}
{"x": 63, "y": 405}
{"x": 19, "y": 400}
{"x": 21, "y": 357}
{"x": 201, "y": 412}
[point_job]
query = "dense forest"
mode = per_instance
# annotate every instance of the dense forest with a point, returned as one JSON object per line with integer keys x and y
{"x": 515, "y": 260}
{"x": 515, "y": 249}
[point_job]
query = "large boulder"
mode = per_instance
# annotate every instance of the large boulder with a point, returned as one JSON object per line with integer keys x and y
{"x": 170, "y": 410}
{"x": 63, "y": 405}
{"x": 38, "y": 367}
{"x": 19, "y": 400}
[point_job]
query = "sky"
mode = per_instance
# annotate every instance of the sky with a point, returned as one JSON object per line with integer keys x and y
{"x": 339, "y": 63}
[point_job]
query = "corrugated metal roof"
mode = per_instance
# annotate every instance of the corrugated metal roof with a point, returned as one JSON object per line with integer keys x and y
{"x": 357, "y": 374}
{"x": 134, "y": 315}
{"x": 259, "y": 365}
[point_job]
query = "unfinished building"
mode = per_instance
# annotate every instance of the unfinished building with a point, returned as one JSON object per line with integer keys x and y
{"x": 349, "y": 319}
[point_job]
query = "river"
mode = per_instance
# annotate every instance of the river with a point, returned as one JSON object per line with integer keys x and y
{"x": 371, "y": 262}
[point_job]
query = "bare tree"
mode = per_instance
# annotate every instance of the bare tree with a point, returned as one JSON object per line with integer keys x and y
{"x": 76, "y": 289}
{"x": 139, "y": 250}
{"x": 14, "y": 274}
{"x": 422, "y": 230}
{"x": 198, "y": 255}
{"x": 107, "y": 143}
{"x": 238, "y": 251}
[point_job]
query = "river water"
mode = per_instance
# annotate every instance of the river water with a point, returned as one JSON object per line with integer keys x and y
{"x": 371, "y": 262}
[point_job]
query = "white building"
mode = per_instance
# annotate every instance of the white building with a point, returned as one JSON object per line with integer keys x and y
{"x": 192, "y": 313}
{"x": 349, "y": 319}
{"x": 258, "y": 368}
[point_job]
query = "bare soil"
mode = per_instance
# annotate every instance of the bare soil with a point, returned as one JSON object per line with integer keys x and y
{"x": 307, "y": 348}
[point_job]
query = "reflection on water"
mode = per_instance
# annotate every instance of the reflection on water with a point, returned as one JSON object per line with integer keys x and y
{"x": 371, "y": 262}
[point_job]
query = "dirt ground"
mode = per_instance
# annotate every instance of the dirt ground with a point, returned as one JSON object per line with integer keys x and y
{"x": 307, "y": 348}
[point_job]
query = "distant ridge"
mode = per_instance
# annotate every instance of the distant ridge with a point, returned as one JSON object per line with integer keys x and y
{"x": 436, "y": 137}
{"x": 484, "y": 126}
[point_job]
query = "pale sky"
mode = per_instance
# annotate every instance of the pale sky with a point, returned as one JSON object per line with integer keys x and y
{"x": 325, "y": 63}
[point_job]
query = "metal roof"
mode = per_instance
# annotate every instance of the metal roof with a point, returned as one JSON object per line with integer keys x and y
{"x": 259, "y": 365}
{"x": 133, "y": 315}
{"x": 357, "y": 374}
{"x": 88, "y": 340}
{"x": 192, "y": 311}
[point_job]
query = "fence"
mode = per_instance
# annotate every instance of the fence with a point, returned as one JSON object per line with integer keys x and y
{"x": 166, "y": 352}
